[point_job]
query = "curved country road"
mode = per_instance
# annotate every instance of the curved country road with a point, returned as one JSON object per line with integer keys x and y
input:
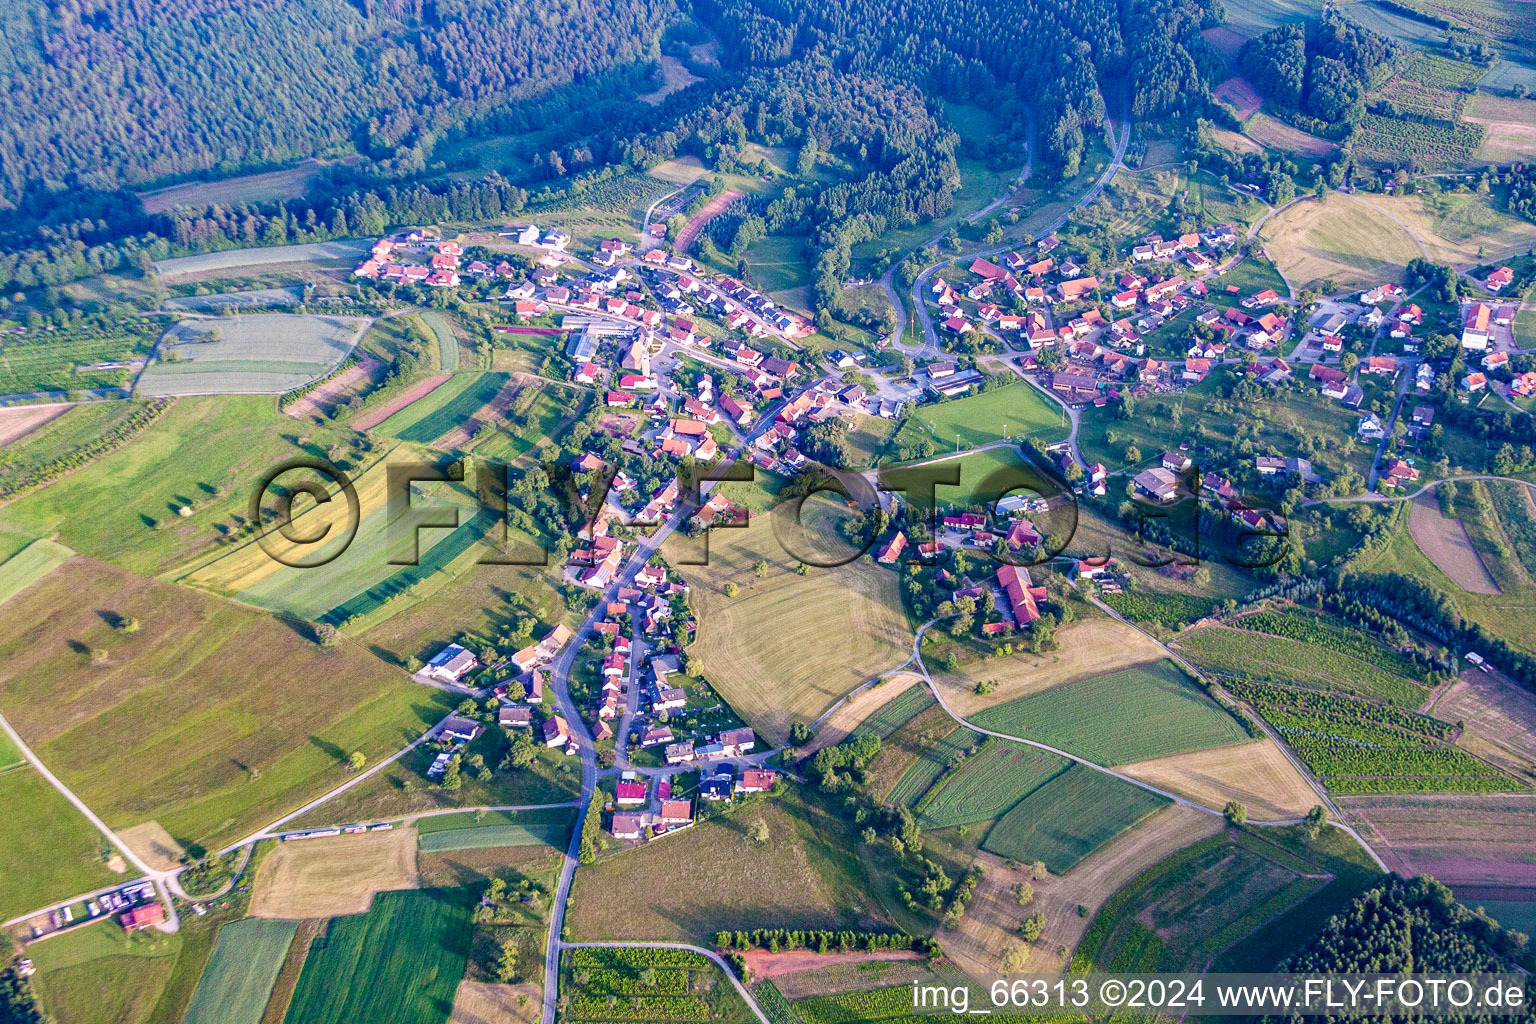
{"x": 719, "y": 960}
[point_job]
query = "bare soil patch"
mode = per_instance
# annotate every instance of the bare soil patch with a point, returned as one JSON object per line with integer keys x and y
{"x": 19, "y": 421}
{"x": 852, "y": 713}
{"x": 990, "y": 925}
{"x": 1495, "y": 708}
{"x": 154, "y": 845}
{"x": 477, "y": 1002}
{"x": 1471, "y": 839}
{"x": 320, "y": 401}
{"x": 335, "y": 875}
{"x": 1089, "y": 648}
{"x": 1256, "y": 774}
{"x": 696, "y": 224}
{"x": 1445, "y": 543}
{"x": 1239, "y": 92}
{"x": 373, "y": 417}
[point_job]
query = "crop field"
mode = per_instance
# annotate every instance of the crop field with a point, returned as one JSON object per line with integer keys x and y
{"x": 1464, "y": 839}
{"x": 988, "y": 784}
{"x": 447, "y": 342}
{"x": 342, "y": 252}
{"x": 29, "y": 565}
{"x": 606, "y": 985}
{"x": 1257, "y": 775}
{"x": 807, "y": 875}
{"x": 1494, "y": 708}
{"x": 1510, "y": 123}
{"x": 479, "y": 1002}
{"x": 445, "y": 408}
{"x": 56, "y": 442}
{"x": 1444, "y": 144}
{"x": 48, "y": 851}
{"x": 480, "y": 837}
{"x": 401, "y": 961}
{"x": 1444, "y": 541}
{"x": 1307, "y": 650}
{"x": 209, "y": 760}
{"x": 1088, "y": 647}
{"x": 1454, "y": 225}
{"x": 262, "y": 353}
{"x": 875, "y": 708}
{"x": 1070, "y": 816}
{"x": 223, "y": 302}
{"x": 333, "y": 875}
{"x": 1343, "y": 240}
{"x": 72, "y": 360}
{"x": 931, "y": 765}
{"x": 1357, "y": 747}
{"x": 17, "y": 421}
{"x": 1273, "y": 133}
{"x": 1016, "y": 411}
{"x": 898, "y": 711}
{"x": 533, "y": 419}
{"x": 1130, "y": 715}
{"x": 757, "y": 645}
{"x": 238, "y": 980}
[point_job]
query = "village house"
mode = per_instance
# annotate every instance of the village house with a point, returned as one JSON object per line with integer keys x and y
{"x": 514, "y": 718}
{"x": 451, "y": 664}
{"x": 1157, "y": 483}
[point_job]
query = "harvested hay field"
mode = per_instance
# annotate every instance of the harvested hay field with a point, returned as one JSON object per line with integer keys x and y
{"x": 335, "y": 875}
{"x": 19, "y": 421}
{"x": 154, "y": 845}
{"x": 1088, "y": 648}
{"x": 786, "y": 646}
{"x": 1273, "y": 134}
{"x": 853, "y": 712}
{"x": 1510, "y": 124}
{"x": 1445, "y": 543}
{"x": 265, "y": 186}
{"x": 479, "y": 1002}
{"x": 1494, "y": 708}
{"x": 991, "y": 922}
{"x": 421, "y": 389}
{"x": 1454, "y": 226}
{"x": 1242, "y": 96}
{"x": 1255, "y": 774}
{"x": 1345, "y": 240}
{"x": 1236, "y": 142}
{"x": 266, "y": 353}
{"x": 1473, "y": 839}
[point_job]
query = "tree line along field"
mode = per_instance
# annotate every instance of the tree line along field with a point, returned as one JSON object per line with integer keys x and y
{"x": 1069, "y": 817}
{"x": 1241, "y": 899}
{"x": 683, "y": 986}
{"x": 238, "y": 980}
{"x": 401, "y": 961}
{"x": 76, "y": 359}
{"x": 1357, "y": 747}
{"x": 66, "y": 442}
{"x": 1131, "y": 715}
{"x": 1306, "y": 649}
{"x": 208, "y": 759}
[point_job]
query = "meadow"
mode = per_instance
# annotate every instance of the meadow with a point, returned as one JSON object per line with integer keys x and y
{"x": 347, "y": 251}
{"x": 1344, "y": 240}
{"x": 485, "y": 836}
{"x": 263, "y": 353}
{"x": 29, "y": 565}
{"x": 988, "y": 784}
{"x": 331, "y": 876}
{"x": 48, "y": 851}
{"x": 1069, "y": 817}
{"x": 533, "y": 420}
{"x": 1130, "y": 715}
{"x": 99, "y": 975}
{"x": 1455, "y": 226}
{"x": 59, "y": 443}
{"x": 238, "y": 980}
{"x": 445, "y": 408}
{"x": 126, "y": 508}
{"x": 786, "y": 646}
{"x": 401, "y": 961}
{"x": 930, "y": 765}
{"x": 210, "y": 758}
{"x": 982, "y": 478}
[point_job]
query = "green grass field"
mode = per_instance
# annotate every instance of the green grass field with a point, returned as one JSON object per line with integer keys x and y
{"x": 532, "y": 423}
{"x": 447, "y": 342}
{"x": 48, "y": 851}
{"x": 988, "y": 784}
{"x": 480, "y": 837}
{"x": 449, "y": 405}
{"x": 983, "y": 478}
{"x": 897, "y": 712}
{"x": 1015, "y": 411}
{"x": 99, "y": 975}
{"x": 209, "y": 758}
{"x": 61, "y": 361}
{"x": 1131, "y": 715}
{"x": 29, "y": 565}
{"x": 1253, "y": 274}
{"x": 400, "y": 962}
{"x": 238, "y": 980}
{"x": 1069, "y": 817}
{"x": 925, "y": 771}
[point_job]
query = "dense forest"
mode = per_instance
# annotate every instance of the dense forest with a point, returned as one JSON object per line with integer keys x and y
{"x": 111, "y": 92}
{"x": 1318, "y": 72}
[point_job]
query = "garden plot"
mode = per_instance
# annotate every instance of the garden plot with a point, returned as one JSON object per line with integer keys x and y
{"x": 261, "y": 354}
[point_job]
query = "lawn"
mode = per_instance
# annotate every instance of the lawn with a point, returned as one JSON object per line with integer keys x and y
{"x": 263, "y": 353}
{"x": 1131, "y": 715}
{"x": 238, "y": 981}
{"x": 778, "y": 263}
{"x": 987, "y": 785}
{"x": 237, "y": 715}
{"x": 400, "y": 963}
{"x": 712, "y": 876}
{"x": 753, "y": 646}
{"x": 1344, "y": 240}
{"x": 203, "y": 454}
{"x": 1069, "y": 817}
{"x": 48, "y": 851}
{"x": 1015, "y": 411}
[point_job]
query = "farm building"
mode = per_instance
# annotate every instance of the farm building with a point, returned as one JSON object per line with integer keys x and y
{"x": 451, "y": 664}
